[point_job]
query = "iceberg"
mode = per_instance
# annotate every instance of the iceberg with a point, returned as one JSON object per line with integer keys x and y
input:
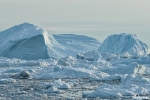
{"x": 122, "y": 44}
{"x": 78, "y": 43}
{"x": 29, "y": 42}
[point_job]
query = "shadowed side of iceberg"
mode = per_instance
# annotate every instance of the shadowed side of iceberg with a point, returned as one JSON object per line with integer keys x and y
{"x": 29, "y": 49}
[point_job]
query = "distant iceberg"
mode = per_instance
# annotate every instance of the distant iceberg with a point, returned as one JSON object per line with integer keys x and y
{"x": 78, "y": 43}
{"x": 122, "y": 44}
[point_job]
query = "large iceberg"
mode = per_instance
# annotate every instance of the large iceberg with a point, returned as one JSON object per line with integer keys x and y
{"x": 29, "y": 42}
{"x": 123, "y": 43}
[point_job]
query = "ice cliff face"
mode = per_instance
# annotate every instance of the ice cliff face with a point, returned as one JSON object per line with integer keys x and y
{"x": 123, "y": 43}
{"x": 29, "y": 42}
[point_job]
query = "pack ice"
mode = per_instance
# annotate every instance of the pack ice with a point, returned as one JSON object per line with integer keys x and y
{"x": 35, "y": 65}
{"x": 29, "y": 42}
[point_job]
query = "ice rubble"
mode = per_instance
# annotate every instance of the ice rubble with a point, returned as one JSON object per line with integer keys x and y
{"x": 7, "y": 80}
{"x": 130, "y": 73}
{"x": 133, "y": 68}
{"x": 131, "y": 85}
{"x": 64, "y": 73}
{"x": 61, "y": 84}
{"x": 122, "y": 43}
{"x": 90, "y": 56}
{"x": 52, "y": 90}
{"x": 56, "y": 85}
{"x": 30, "y": 42}
{"x": 23, "y": 75}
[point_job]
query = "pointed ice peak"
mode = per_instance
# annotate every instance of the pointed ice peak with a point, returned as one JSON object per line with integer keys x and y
{"x": 25, "y": 26}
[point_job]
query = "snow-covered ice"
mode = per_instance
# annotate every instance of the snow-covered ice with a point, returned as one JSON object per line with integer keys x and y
{"x": 123, "y": 43}
{"x": 30, "y": 42}
{"x": 78, "y": 43}
{"x": 67, "y": 74}
{"x": 131, "y": 85}
{"x": 61, "y": 84}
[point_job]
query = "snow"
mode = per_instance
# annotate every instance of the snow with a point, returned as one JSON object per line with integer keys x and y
{"x": 123, "y": 43}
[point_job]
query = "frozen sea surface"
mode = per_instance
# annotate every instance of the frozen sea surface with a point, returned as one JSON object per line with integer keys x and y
{"x": 71, "y": 78}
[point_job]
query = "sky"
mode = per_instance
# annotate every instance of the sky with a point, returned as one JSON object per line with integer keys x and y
{"x": 95, "y": 18}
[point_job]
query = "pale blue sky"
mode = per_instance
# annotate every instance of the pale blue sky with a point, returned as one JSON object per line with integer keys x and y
{"x": 96, "y": 18}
